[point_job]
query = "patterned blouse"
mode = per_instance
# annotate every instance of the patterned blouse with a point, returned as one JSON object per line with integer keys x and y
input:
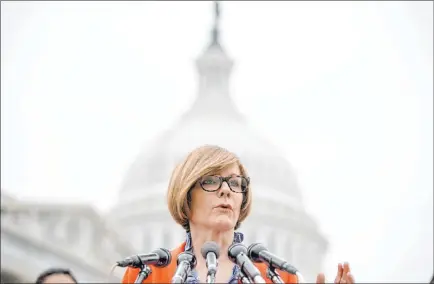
{"x": 193, "y": 277}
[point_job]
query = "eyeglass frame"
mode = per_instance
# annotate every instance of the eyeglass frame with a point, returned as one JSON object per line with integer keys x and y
{"x": 225, "y": 179}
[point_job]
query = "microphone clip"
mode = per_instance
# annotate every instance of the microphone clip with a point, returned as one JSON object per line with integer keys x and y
{"x": 273, "y": 275}
{"x": 242, "y": 277}
{"x": 145, "y": 271}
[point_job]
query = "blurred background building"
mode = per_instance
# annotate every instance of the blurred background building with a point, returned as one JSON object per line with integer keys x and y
{"x": 98, "y": 105}
{"x": 36, "y": 236}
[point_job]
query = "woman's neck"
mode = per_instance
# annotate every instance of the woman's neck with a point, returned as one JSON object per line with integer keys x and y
{"x": 199, "y": 236}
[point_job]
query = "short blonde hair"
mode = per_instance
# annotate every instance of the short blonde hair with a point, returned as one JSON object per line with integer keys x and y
{"x": 201, "y": 161}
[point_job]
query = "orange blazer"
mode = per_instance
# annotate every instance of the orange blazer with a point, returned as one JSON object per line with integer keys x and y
{"x": 165, "y": 274}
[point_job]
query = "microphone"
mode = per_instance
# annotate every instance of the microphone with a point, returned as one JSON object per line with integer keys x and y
{"x": 259, "y": 253}
{"x": 211, "y": 252}
{"x": 160, "y": 258}
{"x": 186, "y": 262}
{"x": 237, "y": 253}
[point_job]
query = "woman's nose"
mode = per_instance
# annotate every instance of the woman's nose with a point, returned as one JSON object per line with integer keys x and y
{"x": 224, "y": 190}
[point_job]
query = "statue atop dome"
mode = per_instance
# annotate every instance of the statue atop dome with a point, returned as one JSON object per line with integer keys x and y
{"x": 215, "y": 30}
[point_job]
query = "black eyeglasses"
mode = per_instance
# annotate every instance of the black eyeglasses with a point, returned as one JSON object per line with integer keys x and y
{"x": 237, "y": 184}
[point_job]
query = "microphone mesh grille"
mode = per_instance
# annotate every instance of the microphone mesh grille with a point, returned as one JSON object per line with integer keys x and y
{"x": 210, "y": 247}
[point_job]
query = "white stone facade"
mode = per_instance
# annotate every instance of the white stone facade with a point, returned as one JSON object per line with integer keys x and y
{"x": 35, "y": 237}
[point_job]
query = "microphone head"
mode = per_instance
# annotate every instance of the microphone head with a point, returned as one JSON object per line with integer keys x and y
{"x": 210, "y": 247}
{"x": 165, "y": 257}
{"x": 254, "y": 250}
{"x": 187, "y": 256}
{"x": 235, "y": 249}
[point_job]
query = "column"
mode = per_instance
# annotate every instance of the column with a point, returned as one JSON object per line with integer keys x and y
{"x": 271, "y": 241}
{"x": 178, "y": 236}
{"x": 296, "y": 247}
{"x": 166, "y": 240}
{"x": 263, "y": 236}
{"x": 59, "y": 227}
{"x": 253, "y": 236}
{"x": 84, "y": 238}
{"x": 290, "y": 251}
{"x": 315, "y": 258}
{"x": 145, "y": 242}
{"x": 280, "y": 247}
{"x": 156, "y": 236}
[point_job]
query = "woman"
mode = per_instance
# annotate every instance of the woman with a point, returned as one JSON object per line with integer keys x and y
{"x": 56, "y": 275}
{"x": 209, "y": 195}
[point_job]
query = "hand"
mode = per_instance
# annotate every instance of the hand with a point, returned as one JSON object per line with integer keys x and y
{"x": 343, "y": 276}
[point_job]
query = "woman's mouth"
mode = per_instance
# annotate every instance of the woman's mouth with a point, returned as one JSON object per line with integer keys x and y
{"x": 224, "y": 207}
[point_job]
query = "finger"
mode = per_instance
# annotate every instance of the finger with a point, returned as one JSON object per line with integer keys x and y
{"x": 339, "y": 274}
{"x": 320, "y": 279}
{"x": 346, "y": 267}
{"x": 350, "y": 278}
{"x": 346, "y": 270}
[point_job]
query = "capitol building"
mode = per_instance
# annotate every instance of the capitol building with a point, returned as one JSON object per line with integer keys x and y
{"x": 36, "y": 236}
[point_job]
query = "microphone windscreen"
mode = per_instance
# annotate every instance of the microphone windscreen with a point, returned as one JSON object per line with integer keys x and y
{"x": 188, "y": 257}
{"x": 235, "y": 249}
{"x": 210, "y": 247}
{"x": 254, "y": 250}
{"x": 165, "y": 257}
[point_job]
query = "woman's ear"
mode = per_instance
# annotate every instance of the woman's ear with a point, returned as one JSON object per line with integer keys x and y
{"x": 189, "y": 199}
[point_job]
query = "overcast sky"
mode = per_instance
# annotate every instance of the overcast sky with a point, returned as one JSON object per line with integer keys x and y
{"x": 344, "y": 89}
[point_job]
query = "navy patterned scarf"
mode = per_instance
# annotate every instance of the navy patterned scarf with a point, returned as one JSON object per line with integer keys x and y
{"x": 193, "y": 277}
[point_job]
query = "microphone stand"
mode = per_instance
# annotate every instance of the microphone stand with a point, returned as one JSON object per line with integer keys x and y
{"x": 244, "y": 279}
{"x": 143, "y": 274}
{"x": 210, "y": 278}
{"x": 273, "y": 275}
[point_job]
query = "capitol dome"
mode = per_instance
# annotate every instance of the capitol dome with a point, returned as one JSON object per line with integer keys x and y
{"x": 214, "y": 119}
{"x": 264, "y": 163}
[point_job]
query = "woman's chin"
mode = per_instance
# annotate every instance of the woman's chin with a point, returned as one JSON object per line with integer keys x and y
{"x": 223, "y": 223}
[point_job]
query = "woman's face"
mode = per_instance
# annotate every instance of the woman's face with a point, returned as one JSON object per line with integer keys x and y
{"x": 218, "y": 210}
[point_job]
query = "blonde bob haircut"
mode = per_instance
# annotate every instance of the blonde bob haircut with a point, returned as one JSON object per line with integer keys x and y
{"x": 202, "y": 161}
